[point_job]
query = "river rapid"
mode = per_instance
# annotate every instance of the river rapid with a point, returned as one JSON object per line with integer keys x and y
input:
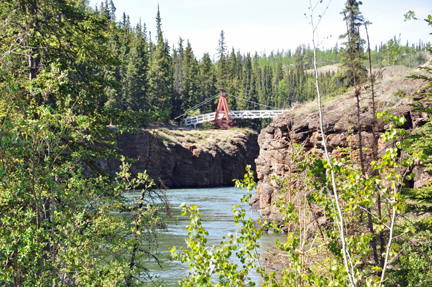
{"x": 215, "y": 205}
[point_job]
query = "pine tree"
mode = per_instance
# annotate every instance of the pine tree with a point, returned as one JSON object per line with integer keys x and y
{"x": 111, "y": 73}
{"x": 267, "y": 85}
{"x": 232, "y": 79}
{"x": 135, "y": 78}
{"x": 160, "y": 82}
{"x": 255, "y": 90}
{"x": 178, "y": 66}
{"x": 125, "y": 38}
{"x": 190, "y": 89}
{"x": 59, "y": 224}
{"x": 207, "y": 80}
{"x": 178, "y": 54}
{"x": 353, "y": 53}
{"x": 246, "y": 87}
{"x": 222, "y": 74}
{"x": 222, "y": 47}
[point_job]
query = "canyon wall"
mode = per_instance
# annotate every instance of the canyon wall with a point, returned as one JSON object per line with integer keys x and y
{"x": 276, "y": 145}
{"x": 183, "y": 158}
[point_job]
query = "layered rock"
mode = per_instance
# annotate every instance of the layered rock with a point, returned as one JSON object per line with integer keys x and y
{"x": 187, "y": 158}
{"x": 341, "y": 131}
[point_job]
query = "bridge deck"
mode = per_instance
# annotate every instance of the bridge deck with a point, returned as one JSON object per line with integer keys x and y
{"x": 254, "y": 114}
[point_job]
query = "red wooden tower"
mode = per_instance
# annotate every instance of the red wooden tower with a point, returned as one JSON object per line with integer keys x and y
{"x": 222, "y": 119}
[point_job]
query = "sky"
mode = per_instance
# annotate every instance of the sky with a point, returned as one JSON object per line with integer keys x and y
{"x": 272, "y": 25}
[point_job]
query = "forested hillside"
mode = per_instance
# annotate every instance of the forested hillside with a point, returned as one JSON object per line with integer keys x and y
{"x": 161, "y": 81}
{"x": 69, "y": 72}
{"x": 347, "y": 182}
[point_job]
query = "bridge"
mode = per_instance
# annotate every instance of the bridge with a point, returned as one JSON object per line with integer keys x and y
{"x": 247, "y": 114}
{"x": 223, "y": 117}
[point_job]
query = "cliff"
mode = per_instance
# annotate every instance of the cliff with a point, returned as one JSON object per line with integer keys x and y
{"x": 301, "y": 126}
{"x": 182, "y": 158}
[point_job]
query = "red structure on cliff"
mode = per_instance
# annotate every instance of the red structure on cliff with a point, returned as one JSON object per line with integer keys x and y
{"x": 222, "y": 119}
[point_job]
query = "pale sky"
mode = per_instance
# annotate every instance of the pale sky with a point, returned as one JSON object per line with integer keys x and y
{"x": 262, "y": 26}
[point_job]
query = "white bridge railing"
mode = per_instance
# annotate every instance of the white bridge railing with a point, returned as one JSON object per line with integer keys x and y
{"x": 254, "y": 114}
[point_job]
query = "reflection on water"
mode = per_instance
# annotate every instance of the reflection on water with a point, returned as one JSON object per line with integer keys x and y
{"x": 215, "y": 205}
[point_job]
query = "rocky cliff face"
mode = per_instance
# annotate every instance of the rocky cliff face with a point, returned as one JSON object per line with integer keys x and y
{"x": 188, "y": 158}
{"x": 276, "y": 144}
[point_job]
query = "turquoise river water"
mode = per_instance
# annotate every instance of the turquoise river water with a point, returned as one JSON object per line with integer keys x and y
{"x": 215, "y": 205}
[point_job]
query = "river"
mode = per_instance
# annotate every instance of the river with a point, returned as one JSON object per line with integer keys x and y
{"x": 215, "y": 205}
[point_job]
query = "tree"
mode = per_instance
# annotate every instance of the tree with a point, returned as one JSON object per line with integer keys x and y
{"x": 393, "y": 51}
{"x": 190, "y": 85}
{"x": 416, "y": 247}
{"x": 353, "y": 53}
{"x": 341, "y": 189}
{"x": 178, "y": 55}
{"x": 222, "y": 47}
{"x": 207, "y": 80}
{"x": 160, "y": 84}
{"x": 59, "y": 222}
{"x": 135, "y": 78}
{"x": 245, "y": 90}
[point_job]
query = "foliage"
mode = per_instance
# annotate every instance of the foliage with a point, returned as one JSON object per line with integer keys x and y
{"x": 142, "y": 81}
{"x": 414, "y": 264}
{"x": 62, "y": 221}
{"x": 160, "y": 78}
{"x": 353, "y": 71}
{"x": 214, "y": 266}
{"x": 58, "y": 226}
{"x": 421, "y": 139}
{"x": 314, "y": 256}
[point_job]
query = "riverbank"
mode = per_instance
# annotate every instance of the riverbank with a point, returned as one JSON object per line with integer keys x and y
{"x": 182, "y": 158}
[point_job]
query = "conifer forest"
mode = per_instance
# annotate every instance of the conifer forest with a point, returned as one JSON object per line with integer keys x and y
{"x": 73, "y": 77}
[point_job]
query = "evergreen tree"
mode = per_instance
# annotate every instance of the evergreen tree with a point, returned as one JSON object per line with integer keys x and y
{"x": 255, "y": 90}
{"x": 207, "y": 80}
{"x": 353, "y": 53}
{"x": 190, "y": 87}
{"x": 267, "y": 86}
{"x": 178, "y": 54}
{"x": 245, "y": 90}
{"x": 111, "y": 73}
{"x": 222, "y": 47}
{"x": 222, "y": 74}
{"x": 59, "y": 224}
{"x": 135, "y": 78}
{"x": 232, "y": 79}
{"x": 125, "y": 38}
{"x": 279, "y": 74}
{"x": 160, "y": 82}
{"x": 178, "y": 67}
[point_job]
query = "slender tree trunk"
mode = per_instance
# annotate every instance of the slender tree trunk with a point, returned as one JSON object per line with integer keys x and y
{"x": 372, "y": 77}
{"x": 362, "y": 165}
{"x": 339, "y": 217}
{"x": 354, "y": 54}
{"x": 135, "y": 249}
{"x": 32, "y": 10}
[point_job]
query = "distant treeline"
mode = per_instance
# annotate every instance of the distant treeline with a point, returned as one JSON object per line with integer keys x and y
{"x": 160, "y": 82}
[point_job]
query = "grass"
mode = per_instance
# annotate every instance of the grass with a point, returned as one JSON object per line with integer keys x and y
{"x": 393, "y": 88}
{"x": 203, "y": 139}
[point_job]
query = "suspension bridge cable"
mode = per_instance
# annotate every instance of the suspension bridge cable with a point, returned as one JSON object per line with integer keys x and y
{"x": 217, "y": 95}
{"x": 274, "y": 108}
{"x": 201, "y": 104}
{"x": 198, "y": 105}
